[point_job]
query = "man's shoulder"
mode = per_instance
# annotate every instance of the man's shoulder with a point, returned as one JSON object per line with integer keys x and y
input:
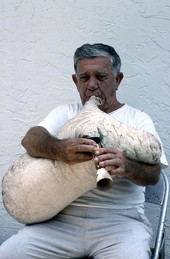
{"x": 130, "y": 115}
{"x": 70, "y": 108}
{"x": 135, "y": 111}
{"x": 129, "y": 110}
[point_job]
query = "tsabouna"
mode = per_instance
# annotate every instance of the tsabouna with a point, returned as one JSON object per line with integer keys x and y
{"x": 36, "y": 189}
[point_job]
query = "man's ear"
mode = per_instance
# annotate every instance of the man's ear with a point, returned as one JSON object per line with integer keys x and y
{"x": 74, "y": 77}
{"x": 119, "y": 78}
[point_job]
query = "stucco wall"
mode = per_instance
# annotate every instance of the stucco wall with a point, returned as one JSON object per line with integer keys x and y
{"x": 37, "y": 41}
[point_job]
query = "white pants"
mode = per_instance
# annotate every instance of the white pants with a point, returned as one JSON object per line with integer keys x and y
{"x": 77, "y": 231}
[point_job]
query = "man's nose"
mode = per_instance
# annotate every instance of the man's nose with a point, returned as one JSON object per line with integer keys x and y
{"x": 92, "y": 84}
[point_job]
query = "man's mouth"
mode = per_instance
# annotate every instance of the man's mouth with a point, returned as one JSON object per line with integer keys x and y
{"x": 100, "y": 102}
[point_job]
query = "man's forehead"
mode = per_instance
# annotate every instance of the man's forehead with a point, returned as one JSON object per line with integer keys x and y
{"x": 93, "y": 64}
{"x": 95, "y": 72}
{"x": 95, "y": 59}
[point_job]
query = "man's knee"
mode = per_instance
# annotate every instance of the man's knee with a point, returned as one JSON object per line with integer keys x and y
{"x": 122, "y": 253}
{"x": 13, "y": 249}
{"x": 134, "y": 253}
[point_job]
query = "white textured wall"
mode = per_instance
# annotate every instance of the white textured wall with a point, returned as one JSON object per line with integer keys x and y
{"x": 37, "y": 42}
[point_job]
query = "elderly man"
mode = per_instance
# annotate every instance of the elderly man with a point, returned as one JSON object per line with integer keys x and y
{"x": 108, "y": 224}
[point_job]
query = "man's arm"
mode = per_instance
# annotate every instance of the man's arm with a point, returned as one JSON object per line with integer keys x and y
{"x": 141, "y": 173}
{"x": 117, "y": 164}
{"x": 39, "y": 143}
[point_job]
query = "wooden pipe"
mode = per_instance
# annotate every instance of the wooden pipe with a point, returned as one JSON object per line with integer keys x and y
{"x": 104, "y": 179}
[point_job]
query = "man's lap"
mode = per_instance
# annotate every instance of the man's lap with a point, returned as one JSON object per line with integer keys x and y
{"x": 82, "y": 231}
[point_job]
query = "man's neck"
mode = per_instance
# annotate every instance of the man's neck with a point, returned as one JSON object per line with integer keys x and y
{"x": 114, "y": 107}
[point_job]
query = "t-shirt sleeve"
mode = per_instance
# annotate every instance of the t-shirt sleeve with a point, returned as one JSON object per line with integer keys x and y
{"x": 59, "y": 116}
{"x": 55, "y": 119}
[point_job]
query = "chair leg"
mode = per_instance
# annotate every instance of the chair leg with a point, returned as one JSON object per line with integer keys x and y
{"x": 162, "y": 248}
{"x": 162, "y": 251}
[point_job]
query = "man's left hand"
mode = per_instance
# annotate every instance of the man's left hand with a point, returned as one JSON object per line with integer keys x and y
{"x": 112, "y": 159}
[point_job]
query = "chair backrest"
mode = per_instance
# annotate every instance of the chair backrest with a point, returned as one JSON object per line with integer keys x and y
{"x": 158, "y": 194}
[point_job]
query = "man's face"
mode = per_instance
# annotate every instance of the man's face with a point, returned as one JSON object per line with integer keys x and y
{"x": 94, "y": 77}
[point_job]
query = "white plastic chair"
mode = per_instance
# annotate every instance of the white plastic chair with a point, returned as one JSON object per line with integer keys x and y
{"x": 158, "y": 194}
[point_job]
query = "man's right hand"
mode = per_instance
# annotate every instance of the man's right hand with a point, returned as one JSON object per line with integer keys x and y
{"x": 73, "y": 151}
{"x": 39, "y": 143}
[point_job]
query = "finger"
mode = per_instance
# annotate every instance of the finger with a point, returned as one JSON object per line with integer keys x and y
{"x": 73, "y": 143}
{"x": 115, "y": 162}
{"x": 81, "y": 157}
{"x": 108, "y": 160}
{"x": 83, "y": 145}
{"x": 84, "y": 149}
{"x": 107, "y": 156}
{"x": 110, "y": 168}
{"x": 119, "y": 172}
{"x": 101, "y": 151}
{"x": 86, "y": 141}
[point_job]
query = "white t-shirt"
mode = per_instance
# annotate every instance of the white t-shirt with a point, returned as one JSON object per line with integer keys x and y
{"x": 124, "y": 194}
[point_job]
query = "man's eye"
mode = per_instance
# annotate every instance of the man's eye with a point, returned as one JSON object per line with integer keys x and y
{"x": 101, "y": 77}
{"x": 84, "y": 78}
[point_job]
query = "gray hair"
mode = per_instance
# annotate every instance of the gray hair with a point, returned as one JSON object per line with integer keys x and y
{"x": 98, "y": 50}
